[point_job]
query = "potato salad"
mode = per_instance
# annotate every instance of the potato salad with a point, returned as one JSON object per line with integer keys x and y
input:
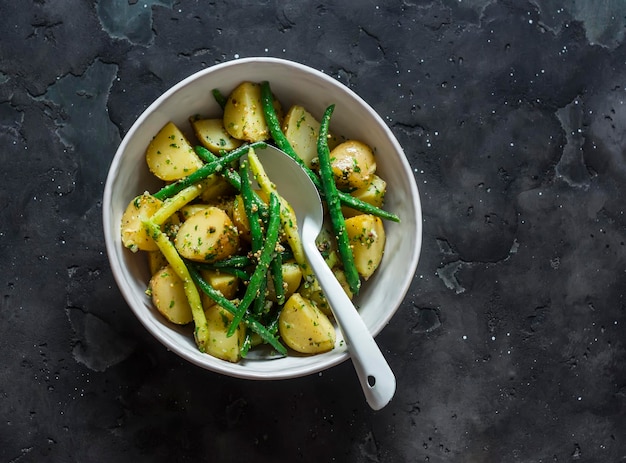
{"x": 222, "y": 244}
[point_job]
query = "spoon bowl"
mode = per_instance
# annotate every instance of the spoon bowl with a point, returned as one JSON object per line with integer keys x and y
{"x": 376, "y": 377}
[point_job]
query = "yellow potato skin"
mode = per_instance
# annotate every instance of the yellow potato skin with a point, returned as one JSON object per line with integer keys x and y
{"x": 168, "y": 296}
{"x": 366, "y": 234}
{"x": 373, "y": 193}
{"x": 207, "y": 236}
{"x": 243, "y": 113}
{"x": 353, "y": 164}
{"x": 213, "y": 135}
{"x": 170, "y": 156}
{"x": 225, "y": 283}
{"x": 219, "y": 344}
{"x": 156, "y": 261}
{"x": 292, "y": 277}
{"x": 305, "y": 328}
{"x": 302, "y": 129}
{"x": 134, "y": 235}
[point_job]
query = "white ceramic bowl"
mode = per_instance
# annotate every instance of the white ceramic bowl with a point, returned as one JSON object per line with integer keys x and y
{"x": 291, "y": 83}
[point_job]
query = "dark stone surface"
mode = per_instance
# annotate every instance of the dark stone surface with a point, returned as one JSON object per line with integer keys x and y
{"x": 510, "y": 346}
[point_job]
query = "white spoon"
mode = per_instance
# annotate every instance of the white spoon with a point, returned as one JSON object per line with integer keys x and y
{"x": 377, "y": 379}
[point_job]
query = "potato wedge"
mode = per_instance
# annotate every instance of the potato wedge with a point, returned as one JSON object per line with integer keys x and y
{"x": 343, "y": 281}
{"x": 312, "y": 291}
{"x": 373, "y": 193}
{"x": 156, "y": 261}
{"x": 213, "y": 135}
{"x": 353, "y": 164}
{"x": 170, "y": 156}
{"x": 168, "y": 296}
{"x": 225, "y": 203}
{"x": 302, "y": 129}
{"x": 219, "y": 344}
{"x": 215, "y": 187}
{"x": 240, "y": 219}
{"x": 207, "y": 236}
{"x": 190, "y": 209}
{"x": 225, "y": 283}
{"x": 367, "y": 239}
{"x": 243, "y": 113}
{"x": 134, "y": 235}
{"x": 304, "y": 327}
{"x": 292, "y": 277}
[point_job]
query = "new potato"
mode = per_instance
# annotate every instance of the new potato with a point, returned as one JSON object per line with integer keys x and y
{"x": 353, "y": 164}
{"x": 170, "y": 156}
{"x": 134, "y": 235}
{"x": 219, "y": 344}
{"x": 304, "y": 327}
{"x": 366, "y": 234}
{"x": 213, "y": 135}
{"x": 243, "y": 113}
{"x": 168, "y": 296}
{"x": 207, "y": 236}
{"x": 373, "y": 193}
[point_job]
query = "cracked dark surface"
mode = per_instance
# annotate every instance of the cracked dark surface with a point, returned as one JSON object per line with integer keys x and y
{"x": 510, "y": 345}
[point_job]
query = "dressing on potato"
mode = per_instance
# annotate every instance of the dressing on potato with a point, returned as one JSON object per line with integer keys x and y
{"x": 213, "y": 136}
{"x": 170, "y": 156}
{"x": 304, "y": 327}
{"x": 353, "y": 164}
{"x": 367, "y": 240}
{"x": 243, "y": 115}
{"x": 207, "y": 236}
{"x": 219, "y": 344}
{"x": 168, "y": 296}
{"x": 134, "y": 235}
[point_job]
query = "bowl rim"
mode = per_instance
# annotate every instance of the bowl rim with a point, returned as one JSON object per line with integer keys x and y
{"x": 117, "y": 269}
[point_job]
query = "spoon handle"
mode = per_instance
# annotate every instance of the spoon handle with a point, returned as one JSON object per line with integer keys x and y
{"x": 375, "y": 375}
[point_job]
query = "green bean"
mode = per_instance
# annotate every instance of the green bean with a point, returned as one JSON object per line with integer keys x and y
{"x": 276, "y": 269}
{"x": 246, "y": 346}
{"x": 288, "y": 216}
{"x": 273, "y": 125}
{"x": 251, "y": 208}
{"x": 258, "y": 304}
{"x": 239, "y": 273}
{"x": 233, "y": 266}
{"x": 219, "y": 97}
{"x": 206, "y": 170}
{"x": 232, "y": 177}
{"x": 260, "y": 272}
{"x": 272, "y": 326}
{"x": 334, "y": 205}
{"x": 228, "y": 173}
{"x": 229, "y": 306}
{"x": 230, "y": 262}
{"x": 256, "y": 231}
{"x": 173, "y": 204}
{"x": 282, "y": 142}
{"x": 238, "y": 262}
{"x": 355, "y": 203}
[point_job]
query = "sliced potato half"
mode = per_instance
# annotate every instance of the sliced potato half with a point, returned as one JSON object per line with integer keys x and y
{"x": 366, "y": 233}
{"x": 169, "y": 297}
{"x": 170, "y": 156}
{"x": 304, "y": 327}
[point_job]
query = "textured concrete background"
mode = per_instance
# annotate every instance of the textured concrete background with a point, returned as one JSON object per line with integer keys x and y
{"x": 510, "y": 346}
